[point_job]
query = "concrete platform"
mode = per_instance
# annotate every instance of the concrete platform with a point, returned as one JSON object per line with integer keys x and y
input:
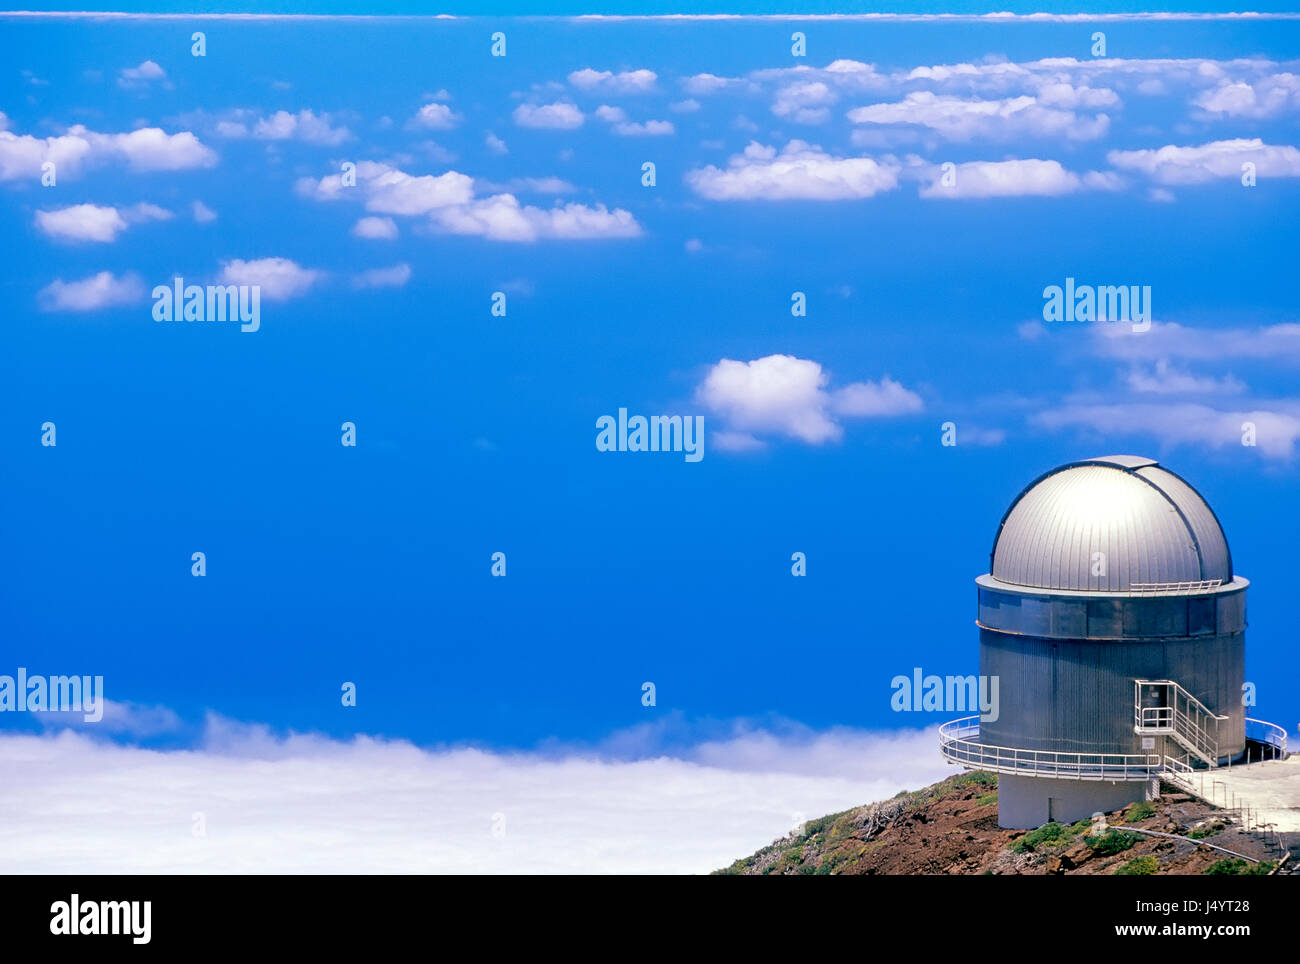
{"x": 1271, "y": 789}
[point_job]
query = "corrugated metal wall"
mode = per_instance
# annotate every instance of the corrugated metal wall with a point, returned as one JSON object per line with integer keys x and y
{"x": 1077, "y": 695}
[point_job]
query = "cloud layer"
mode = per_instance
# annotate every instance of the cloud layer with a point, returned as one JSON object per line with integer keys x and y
{"x": 307, "y": 804}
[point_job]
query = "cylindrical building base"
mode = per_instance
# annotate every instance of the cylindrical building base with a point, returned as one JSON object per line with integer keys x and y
{"x": 1028, "y": 802}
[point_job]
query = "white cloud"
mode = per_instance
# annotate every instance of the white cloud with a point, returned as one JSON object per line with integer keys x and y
{"x": 875, "y": 399}
{"x": 306, "y": 804}
{"x": 850, "y": 68}
{"x": 1035, "y": 98}
{"x": 1167, "y": 380}
{"x": 93, "y": 222}
{"x": 1014, "y": 178}
{"x": 650, "y": 128}
{"x": 145, "y": 149}
{"x": 617, "y": 117}
{"x": 626, "y": 82}
{"x": 799, "y": 171}
{"x": 1217, "y": 159}
{"x": 704, "y": 84}
{"x": 437, "y": 117}
{"x": 303, "y": 126}
{"x": 1149, "y": 75}
{"x": 778, "y": 393}
{"x": 502, "y": 218}
{"x": 125, "y": 718}
{"x": 140, "y": 76}
{"x": 384, "y": 229}
{"x": 1234, "y": 100}
{"x": 139, "y": 213}
{"x": 452, "y": 206}
{"x": 102, "y": 290}
{"x": 152, "y": 149}
{"x": 82, "y": 222}
{"x": 279, "y": 278}
{"x": 788, "y": 396}
{"x": 395, "y": 277}
{"x": 396, "y": 192}
{"x": 495, "y": 144}
{"x": 961, "y": 119}
{"x": 1277, "y": 429}
{"x": 1267, "y": 97}
{"x": 1167, "y": 340}
{"x": 1065, "y": 95}
{"x": 202, "y": 213}
{"x": 387, "y": 190}
{"x": 21, "y": 156}
{"x": 688, "y": 106}
{"x": 559, "y": 116}
{"x": 806, "y": 102}
{"x": 839, "y": 77}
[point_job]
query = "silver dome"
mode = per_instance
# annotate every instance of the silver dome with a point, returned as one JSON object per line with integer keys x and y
{"x": 1153, "y": 528}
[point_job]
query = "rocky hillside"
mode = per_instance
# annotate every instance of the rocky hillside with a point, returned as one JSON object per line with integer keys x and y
{"x": 952, "y": 828}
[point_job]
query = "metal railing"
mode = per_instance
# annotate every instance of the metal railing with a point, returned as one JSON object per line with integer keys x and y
{"x": 1201, "y": 783}
{"x": 959, "y": 743}
{"x": 1163, "y": 707}
{"x": 1173, "y": 588}
{"x": 1268, "y": 734}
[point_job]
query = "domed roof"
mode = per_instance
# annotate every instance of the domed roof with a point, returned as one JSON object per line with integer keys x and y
{"x": 1153, "y": 528}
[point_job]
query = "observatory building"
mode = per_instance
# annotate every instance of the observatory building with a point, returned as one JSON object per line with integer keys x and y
{"x": 1115, "y": 625}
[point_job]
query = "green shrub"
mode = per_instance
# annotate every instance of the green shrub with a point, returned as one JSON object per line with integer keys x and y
{"x": 1227, "y": 867}
{"x": 1046, "y": 835}
{"x": 987, "y": 799}
{"x": 1140, "y": 867}
{"x": 1235, "y": 867}
{"x": 1209, "y": 830}
{"x": 1138, "y": 811}
{"x": 1112, "y": 842}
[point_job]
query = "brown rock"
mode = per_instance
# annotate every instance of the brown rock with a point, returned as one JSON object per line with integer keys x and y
{"x": 1074, "y": 856}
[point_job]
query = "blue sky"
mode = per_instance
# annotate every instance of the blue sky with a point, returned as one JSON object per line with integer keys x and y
{"x": 775, "y": 174}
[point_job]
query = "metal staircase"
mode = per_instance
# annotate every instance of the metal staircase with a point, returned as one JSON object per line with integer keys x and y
{"x": 1163, "y": 708}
